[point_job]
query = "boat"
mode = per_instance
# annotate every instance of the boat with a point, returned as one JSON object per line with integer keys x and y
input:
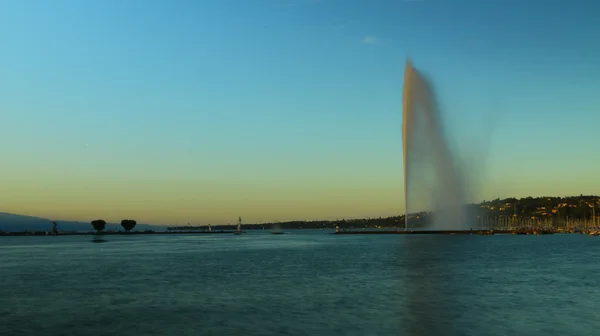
{"x": 238, "y": 231}
{"x": 277, "y": 229}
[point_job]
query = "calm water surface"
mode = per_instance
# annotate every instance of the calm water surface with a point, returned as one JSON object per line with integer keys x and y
{"x": 302, "y": 283}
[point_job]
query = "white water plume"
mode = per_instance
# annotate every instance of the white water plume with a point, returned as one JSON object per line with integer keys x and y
{"x": 433, "y": 179}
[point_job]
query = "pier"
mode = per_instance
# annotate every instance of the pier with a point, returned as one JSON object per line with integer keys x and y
{"x": 488, "y": 225}
{"x": 451, "y": 232}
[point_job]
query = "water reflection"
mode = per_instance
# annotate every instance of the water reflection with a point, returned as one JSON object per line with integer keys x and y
{"x": 432, "y": 305}
{"x": 99, "y": 239}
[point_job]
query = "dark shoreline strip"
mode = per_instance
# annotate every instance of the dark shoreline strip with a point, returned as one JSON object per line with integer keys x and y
{"x": 452, "y": 232}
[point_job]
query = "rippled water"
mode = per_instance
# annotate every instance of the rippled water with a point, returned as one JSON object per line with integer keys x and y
{"x": 302, "y": 283}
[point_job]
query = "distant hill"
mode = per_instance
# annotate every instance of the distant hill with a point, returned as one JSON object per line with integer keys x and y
{"x": 19, "y": 223}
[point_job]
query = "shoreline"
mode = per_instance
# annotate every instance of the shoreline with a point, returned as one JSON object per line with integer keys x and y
{"x": 48, "y": 234}
{"x": 340, "y": 232}
{"x": 469, "y": 232}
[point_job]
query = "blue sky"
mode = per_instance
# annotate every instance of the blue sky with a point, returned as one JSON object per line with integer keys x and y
{"x": 200, "y": 111}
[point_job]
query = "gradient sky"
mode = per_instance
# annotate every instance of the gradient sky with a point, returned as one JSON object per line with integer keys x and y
{"x": 201, "y": 111}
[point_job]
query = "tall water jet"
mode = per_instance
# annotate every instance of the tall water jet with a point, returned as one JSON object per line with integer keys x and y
{"x": 432, "y": 178}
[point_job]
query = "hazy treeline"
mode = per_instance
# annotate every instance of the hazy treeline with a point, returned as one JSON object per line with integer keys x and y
{"x": 553, "y": 208}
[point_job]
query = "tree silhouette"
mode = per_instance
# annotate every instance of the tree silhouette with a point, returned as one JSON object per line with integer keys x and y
{"x": 99, "y": 224}
{"x": 128, "y": 224}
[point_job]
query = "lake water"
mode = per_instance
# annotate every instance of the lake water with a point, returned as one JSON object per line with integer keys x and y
{"x": 302, "y": 283}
